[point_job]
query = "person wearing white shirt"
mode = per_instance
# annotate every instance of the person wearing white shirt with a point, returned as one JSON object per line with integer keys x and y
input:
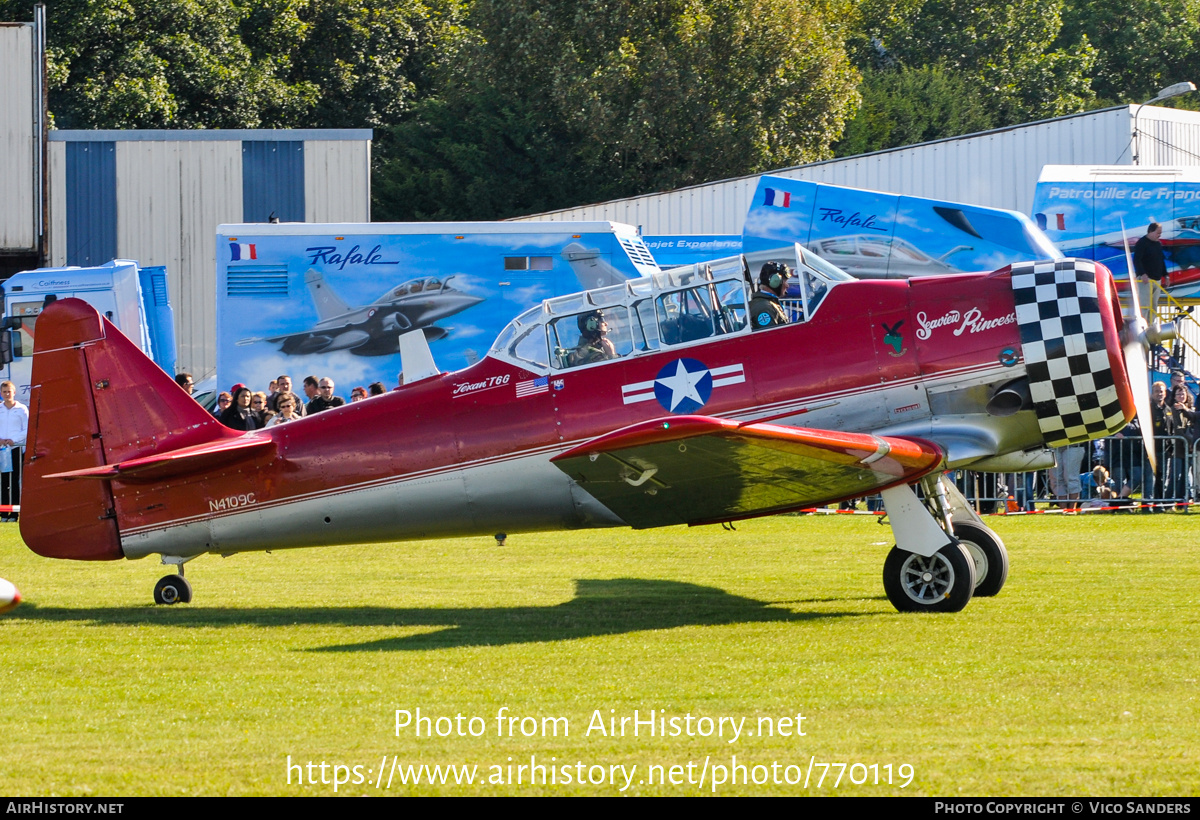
{"x": 14, "y": 425}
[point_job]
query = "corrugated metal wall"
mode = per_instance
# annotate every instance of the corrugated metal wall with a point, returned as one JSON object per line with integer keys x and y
{"x": 169, "y": 190}
{"x": 57, "y": 229}
{"x": 193, "y": 186}
{"x": 337, "y": 181}
{"x": 993, "y": 168}
{"x": 17, "y": 201}
{"x": 1168, "y": 137}
{"x": 92, "y": 206}
{"x": 272, "y": 180}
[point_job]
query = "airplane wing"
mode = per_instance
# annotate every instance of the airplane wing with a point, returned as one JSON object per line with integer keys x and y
{"x": 699, "y": 469}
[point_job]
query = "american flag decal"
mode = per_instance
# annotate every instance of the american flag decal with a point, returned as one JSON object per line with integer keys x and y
{"x": 533, "y": 387}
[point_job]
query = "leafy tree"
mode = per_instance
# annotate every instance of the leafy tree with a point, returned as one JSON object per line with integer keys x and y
{"x": 370, "y": 58}
{"x": 161, "y": 64}
{"x": 478, "y": 157}
{"x": 613, "y": 97}
{"x": 1141, "y": 45}
{"x": 239, "y": 63}
{"x": 902, "y": 106}
{"x": 1006, "y": 50}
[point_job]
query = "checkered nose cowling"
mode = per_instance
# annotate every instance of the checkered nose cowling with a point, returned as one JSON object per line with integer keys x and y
{"x": 1063, "y": 308}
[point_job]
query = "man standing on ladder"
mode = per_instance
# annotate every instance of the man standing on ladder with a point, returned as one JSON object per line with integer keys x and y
{"x": 1149, "y": 263}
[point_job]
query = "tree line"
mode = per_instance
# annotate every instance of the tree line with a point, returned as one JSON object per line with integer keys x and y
{"x": 485, "y": 109}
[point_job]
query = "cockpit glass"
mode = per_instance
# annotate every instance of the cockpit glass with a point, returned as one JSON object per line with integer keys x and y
{"x": 823, "y": 268}
{"x": 669, "y": 308}
{"x": 501, "y": 345}
{"x": 701, "y": 312}
{"x": 531, "y": 347}
{"x": 589, "y": 337}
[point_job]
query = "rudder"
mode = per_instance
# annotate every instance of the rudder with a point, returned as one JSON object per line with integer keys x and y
{"x": 96, "y": 399}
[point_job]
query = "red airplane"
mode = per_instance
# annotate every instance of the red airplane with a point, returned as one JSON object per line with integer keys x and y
{"x": 643, "y": 404}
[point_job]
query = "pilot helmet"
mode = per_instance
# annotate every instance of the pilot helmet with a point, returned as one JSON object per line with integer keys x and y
{"x": 774, "y": 275}
{"x": 590, "y": 322}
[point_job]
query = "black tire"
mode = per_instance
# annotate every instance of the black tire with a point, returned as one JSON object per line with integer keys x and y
{"x": 990, "y": 557}
{"x": 172, "y": 589}
{"x": 944, "y": 582}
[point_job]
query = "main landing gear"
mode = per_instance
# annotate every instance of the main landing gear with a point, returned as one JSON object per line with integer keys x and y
{"x": 988, "y": 552}
{"x": 944, "y": 554}
{"x": 942, "y": 582}
{"x": 173, "y": 589}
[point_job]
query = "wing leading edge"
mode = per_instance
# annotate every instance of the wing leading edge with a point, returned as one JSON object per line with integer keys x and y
{"x": 700, "y": 469}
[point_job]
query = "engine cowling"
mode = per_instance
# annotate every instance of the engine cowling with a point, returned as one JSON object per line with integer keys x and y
{"x": 1069, "y": 321}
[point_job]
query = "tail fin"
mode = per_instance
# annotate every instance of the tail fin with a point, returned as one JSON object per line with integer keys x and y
{"x": 95, "y": 400}
{"x": 328, "y": 303}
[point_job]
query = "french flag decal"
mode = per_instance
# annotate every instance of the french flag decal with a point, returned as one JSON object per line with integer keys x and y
{"x": 780, "y": 199}
{"x": 239, "y": 251}
{"x": 1060, "y": 221}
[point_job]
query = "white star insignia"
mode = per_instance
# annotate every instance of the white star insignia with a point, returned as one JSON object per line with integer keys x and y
{"x": 683, "y": 385}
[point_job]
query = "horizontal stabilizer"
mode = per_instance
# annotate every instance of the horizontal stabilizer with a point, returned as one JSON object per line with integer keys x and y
{"x": 699, "y": 469}
{"x": 185, "y": 461}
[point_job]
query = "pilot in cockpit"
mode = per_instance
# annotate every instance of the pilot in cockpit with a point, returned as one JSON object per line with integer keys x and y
{"x": 765, "y": 308}
{"x": 592, "y": 346}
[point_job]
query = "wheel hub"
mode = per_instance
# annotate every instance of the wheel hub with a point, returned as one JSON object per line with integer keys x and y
{"x": 980, "y": 560}
{"x": 927, "y": 580}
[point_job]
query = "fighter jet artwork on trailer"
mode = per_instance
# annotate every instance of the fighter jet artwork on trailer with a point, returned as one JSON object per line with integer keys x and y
{"x": 374, "y": 329}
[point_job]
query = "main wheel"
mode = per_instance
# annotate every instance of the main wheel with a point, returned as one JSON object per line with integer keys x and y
{"x": 944, "y": 582}
{"x": 990, "y": 557}
{"x": 172, "y": 589}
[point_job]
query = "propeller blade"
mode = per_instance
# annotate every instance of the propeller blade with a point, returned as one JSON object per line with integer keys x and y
{"x": 1139, "y": 383}
{"x": 1135, "y": 348}
{"x": 1134, "y": 309}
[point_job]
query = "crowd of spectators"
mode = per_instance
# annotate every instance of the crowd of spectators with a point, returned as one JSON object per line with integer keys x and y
{"x": 1106, "y": 473}
{"x": 241, "y": 408}
{"x": 1111, "y": 472}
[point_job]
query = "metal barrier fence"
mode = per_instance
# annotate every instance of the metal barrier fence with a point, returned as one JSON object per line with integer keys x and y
{"x": 10, "y": 482}
{"x": 1173, "y": 484}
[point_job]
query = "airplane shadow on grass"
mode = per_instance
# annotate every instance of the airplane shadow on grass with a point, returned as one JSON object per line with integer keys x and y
{"x": 600, "y": 607}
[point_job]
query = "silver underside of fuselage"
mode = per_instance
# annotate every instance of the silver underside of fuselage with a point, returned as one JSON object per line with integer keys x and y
{"x": 521, "y": 494}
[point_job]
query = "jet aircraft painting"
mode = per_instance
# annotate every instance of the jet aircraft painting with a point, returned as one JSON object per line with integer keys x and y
{"x": 373, "y": 330}
{"x": 687, "y": 417}
{"x": 305, "y": 298}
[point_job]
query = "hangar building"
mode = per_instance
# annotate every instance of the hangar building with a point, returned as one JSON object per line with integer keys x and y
{"x": 157, "y": 197}
{"x": 997, "y": 168}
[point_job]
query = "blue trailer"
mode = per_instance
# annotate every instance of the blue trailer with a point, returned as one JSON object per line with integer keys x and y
{"x": 871, "y": 234}
{"x": 1094, "y": 211}
{"x": 332, "y": 300}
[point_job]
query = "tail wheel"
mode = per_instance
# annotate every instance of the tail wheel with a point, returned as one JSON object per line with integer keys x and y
{"x": 990, "y": 557}
{"x": 172, "y": 589}
{"x": 942, "y": 582}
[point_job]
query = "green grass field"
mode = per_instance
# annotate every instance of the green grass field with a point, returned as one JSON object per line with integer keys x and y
{"x": 1081, "y": 678}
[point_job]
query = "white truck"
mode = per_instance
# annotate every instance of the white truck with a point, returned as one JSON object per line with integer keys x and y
{"x": 133, "y": 298}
